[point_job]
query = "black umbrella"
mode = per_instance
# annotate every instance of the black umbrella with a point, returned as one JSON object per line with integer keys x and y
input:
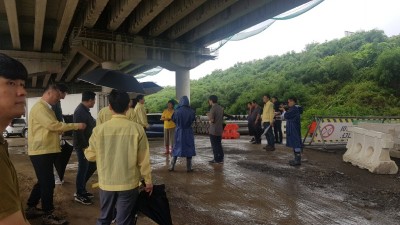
{"x": 151, "y": 87}
{"x": 155, "y": 206}
{"x": 113, "y": 79}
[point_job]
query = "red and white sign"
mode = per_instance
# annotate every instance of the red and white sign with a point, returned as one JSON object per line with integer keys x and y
{"x": 333, "y": 132}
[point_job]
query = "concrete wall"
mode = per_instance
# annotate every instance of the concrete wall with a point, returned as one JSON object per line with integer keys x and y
{"x": 69, "y": 104}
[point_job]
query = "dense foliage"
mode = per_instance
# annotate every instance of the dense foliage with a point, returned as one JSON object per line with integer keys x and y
{"x": 358, "y": 75}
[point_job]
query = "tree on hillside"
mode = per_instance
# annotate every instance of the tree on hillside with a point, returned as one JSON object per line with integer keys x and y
{"x": 388, "y": 69}
{"x": 340, "y": 67}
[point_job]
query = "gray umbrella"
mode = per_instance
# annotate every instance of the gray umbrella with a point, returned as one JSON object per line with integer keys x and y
{"x": 113, "y": 79}
{"x": 151, "y": 87}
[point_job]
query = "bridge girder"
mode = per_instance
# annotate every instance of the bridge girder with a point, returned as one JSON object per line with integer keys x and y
{"x": 172, "y": 33}
{"x": 145, "y": 13}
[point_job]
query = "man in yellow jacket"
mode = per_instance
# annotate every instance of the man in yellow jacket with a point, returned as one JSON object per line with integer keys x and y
{"x": 121, "y": 151}
{"x": 140, "y": 112}
{"x": 43, "y": 148}
{"x": 105, "y": 114}
{"x": 267, "y": 118}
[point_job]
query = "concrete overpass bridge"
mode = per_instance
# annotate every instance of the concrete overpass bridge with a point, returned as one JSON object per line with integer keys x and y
{"x": 60, "y": 40}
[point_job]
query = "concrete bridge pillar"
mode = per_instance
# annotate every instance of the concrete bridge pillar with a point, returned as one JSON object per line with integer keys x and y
{"x": 110, "y": 66}
{"x": 182, "y": 83}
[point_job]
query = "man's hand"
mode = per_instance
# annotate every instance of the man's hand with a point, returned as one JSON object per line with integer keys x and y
{"x": 149, "y": 188}
{"x": 81, "y": 126}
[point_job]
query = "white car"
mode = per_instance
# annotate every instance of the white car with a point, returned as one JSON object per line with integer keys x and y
{"x": 16, "y": 127}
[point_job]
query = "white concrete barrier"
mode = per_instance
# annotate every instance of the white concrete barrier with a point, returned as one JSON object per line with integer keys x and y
{"x": 369, "y": 148}
{"x": 393, "y": 129}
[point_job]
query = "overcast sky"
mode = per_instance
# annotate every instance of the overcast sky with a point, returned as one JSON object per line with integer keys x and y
{"x": 327, "y": 21}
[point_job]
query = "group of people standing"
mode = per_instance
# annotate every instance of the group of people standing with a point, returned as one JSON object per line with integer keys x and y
{"x": 115, "y": 145}
{"x": 120, "y": 126}
{"x": 268, "y": 121}
{"x": 95, "y": 145}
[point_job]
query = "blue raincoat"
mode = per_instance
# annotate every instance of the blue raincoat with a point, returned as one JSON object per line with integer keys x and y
{"x": 183, "y": 117}
{"x": 293, "y": 129}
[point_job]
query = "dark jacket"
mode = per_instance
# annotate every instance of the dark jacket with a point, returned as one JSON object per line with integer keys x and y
{"x": 58, "y": 111}
{"x": 81, "y": 137}
{"x": 277, "y": 111}
{"x": 183, "y": 117}
{"x": 293, "y": 128}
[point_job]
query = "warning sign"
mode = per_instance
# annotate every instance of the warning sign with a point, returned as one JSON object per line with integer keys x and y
{"x": 327, "y": 130}
{"x": 333, "y": 132}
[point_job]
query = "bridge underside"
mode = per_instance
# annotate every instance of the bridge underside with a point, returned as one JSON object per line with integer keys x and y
{"x": 60, "y": 40}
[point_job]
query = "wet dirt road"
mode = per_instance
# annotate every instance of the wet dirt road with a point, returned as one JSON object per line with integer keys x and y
{"x": 252, "y": 187}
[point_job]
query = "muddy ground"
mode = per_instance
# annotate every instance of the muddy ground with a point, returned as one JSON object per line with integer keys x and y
{"x": 252, "y": 187}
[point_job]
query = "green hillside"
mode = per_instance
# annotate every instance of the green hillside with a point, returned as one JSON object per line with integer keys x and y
{"x": 358, "y": 75}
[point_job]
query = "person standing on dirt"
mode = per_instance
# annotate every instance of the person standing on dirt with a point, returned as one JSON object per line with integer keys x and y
{"x": 256, "y": 121}
{"x": 277, "y": 121}
{"x": 12, "y": 104}
{"x": 183, "y": 117}
{"x": 43, "y": 149}
{"x": 268, "y": 122}
{"x": 216, "y": 120}
{"x": 81, "y": 141}
{"x": 66, "y": 149}
{"x": 140, "y": 112}
{"x": 121, "y": 151}
{"x": 169, "y": 126}
{"x": 293, "y": 129}
{"x": 250, "y": 126}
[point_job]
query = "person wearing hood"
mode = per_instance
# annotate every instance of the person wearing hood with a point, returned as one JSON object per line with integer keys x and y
{"x": 183, "y": 117}
{"x": 293, "y": 129}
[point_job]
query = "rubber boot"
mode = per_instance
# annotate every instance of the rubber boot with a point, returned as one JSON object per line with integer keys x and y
{"x": 297, "y": 159}
{"x": 189, "y": 164}
{"x": 173, "y": 162}
{"x": 167, "y": 149}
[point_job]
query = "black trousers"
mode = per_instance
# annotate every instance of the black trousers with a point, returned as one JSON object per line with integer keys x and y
{"x": 44, "y": 189}
{"x": 217, "y": 147}
{"x": 269, "y": 134}
{"x": 62, "y": 160}
{"x": 256, "y": 131}
{"x": 278, "y": 131}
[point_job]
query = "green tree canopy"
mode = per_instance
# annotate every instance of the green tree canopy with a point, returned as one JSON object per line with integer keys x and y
{"x": 358, "y": 75}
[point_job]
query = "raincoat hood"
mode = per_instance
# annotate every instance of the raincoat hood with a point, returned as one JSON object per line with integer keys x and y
{"x": 184, "y": 101}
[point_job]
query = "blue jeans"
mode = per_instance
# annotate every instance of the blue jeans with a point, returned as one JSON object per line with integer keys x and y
{"x": 122, "y": 201}
{"x": 217, "y": 148}
{"x": 270, "y": 134}
{"x": 85, "y": 171}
